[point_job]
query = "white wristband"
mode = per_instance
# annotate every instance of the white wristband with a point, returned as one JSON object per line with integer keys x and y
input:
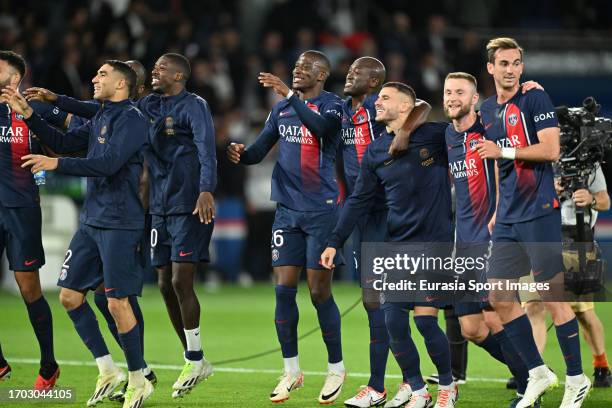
{"x": 508, "y": 153}
{"x": 289, "y": 94}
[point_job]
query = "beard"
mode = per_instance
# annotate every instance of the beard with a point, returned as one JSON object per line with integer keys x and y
{"x": 463, "y": 111}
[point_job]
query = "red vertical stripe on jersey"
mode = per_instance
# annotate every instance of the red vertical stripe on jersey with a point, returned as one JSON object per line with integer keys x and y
{"x": 525, "y": 174}
{"x": 310, "y": 158}
{"x": 20, "y": 146}
{"x": 363, "y": 138}
{"x": 477, "y": 180}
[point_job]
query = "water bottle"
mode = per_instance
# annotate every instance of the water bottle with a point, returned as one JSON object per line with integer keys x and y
{"x": 39, "y": 177}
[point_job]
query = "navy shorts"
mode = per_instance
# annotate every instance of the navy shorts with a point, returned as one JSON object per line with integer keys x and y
{"x": 522, "y": 247}
{"x": 469, "y": 308}
{"x": 300, "y": 237}
{"x": 371, "y": 228}
{"x": 100, "y": 255}
{"x": 472, "y": 269}
{"x": 20, "y": 234}
{"x": 179, "y": 238}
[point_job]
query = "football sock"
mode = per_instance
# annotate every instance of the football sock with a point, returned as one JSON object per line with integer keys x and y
{"x": 437, "y": 346}
{"x": 86, "y": 325}
{"x": 513, "y": 361}
{"x": 379, "y": 348}
{"x": 292, "y": 365}
{"x": 457, "y": 344}
{"x": 599, "y": 361}
{"x": 492, "y": 346}
{"x": 286, "y": 318}
{"x": 131, "y": 348}
{"x": 569, "y": 342}
{"x": 520, "y": 333}
{"x": 402, "y": 346}
{"x": 329, "y": 320}
{"x": 194, "y": 345}
{"x": 42, "y": 322}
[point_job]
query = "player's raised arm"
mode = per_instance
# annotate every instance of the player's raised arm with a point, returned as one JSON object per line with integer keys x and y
{"x": 59, "y": 141}
{"x": 129, "y": 137}
{"x": 84, "y": 109}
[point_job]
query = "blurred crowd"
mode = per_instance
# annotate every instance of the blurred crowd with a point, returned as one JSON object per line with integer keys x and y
{"x": 229, "y": 42}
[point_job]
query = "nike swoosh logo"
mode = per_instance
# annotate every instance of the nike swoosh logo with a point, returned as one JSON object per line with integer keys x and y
{"x": 197, "y": 334}
{"x": 378, "y": 401}
{"x": 106, "y": 290}
{"x": 185, "y": 253}
{"x": 30, "y": 263}
{"x": 326, "y": 397}
{"x": 387, "y": 162}
{"x": 488, "y": 125}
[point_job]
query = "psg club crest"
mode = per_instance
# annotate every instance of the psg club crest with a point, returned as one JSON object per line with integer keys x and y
{"x": 18, "y": 116}
{"x": 275, "y": 255}
{"x": 512, "y": 119}
{"x": 101, "y": 138}
{"x": 169, "y": 126}
{"x": 473, "y": 144}
{"x": 63, "y": 274}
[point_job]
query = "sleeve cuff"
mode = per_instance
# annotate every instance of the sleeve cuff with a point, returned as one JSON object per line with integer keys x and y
{"x": 60, "y": 164}
{"x": 207, "y": 188}
{"x": 334, "y": 242}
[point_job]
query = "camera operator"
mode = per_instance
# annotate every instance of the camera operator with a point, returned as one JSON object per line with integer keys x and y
{"x": 591, "y": 200}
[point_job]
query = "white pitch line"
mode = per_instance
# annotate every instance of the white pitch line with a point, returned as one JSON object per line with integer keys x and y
{"x": 231, "y": 369}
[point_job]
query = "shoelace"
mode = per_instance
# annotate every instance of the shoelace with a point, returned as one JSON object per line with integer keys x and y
{"x": 281, "y": 379}
{"x": 414, "y": 400}
{"x": 443, "y": 396}
{"x": 569, "y": 396}
{"x": 402, "y": 386}
{"x": 186, "y": 370}
{"x": 364, "y": 392}
{"x": 128, "y": 393}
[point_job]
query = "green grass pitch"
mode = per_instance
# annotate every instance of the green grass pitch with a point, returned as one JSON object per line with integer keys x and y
{"x": 238, "y": 322}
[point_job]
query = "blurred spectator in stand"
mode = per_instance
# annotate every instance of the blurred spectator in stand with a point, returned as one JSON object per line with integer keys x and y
{"x": 230, "y": 231}
{"x": 200, "y": 83}
{"x": 436, "y": 42}
{"x": 260, "y": 211}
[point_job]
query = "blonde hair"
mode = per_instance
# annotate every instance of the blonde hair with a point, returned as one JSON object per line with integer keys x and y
{"x": 463, "y": 75}
{"x": 502, "y": 43}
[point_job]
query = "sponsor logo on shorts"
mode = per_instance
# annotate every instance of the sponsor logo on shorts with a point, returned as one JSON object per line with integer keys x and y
{"x": 30, "y": 262}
